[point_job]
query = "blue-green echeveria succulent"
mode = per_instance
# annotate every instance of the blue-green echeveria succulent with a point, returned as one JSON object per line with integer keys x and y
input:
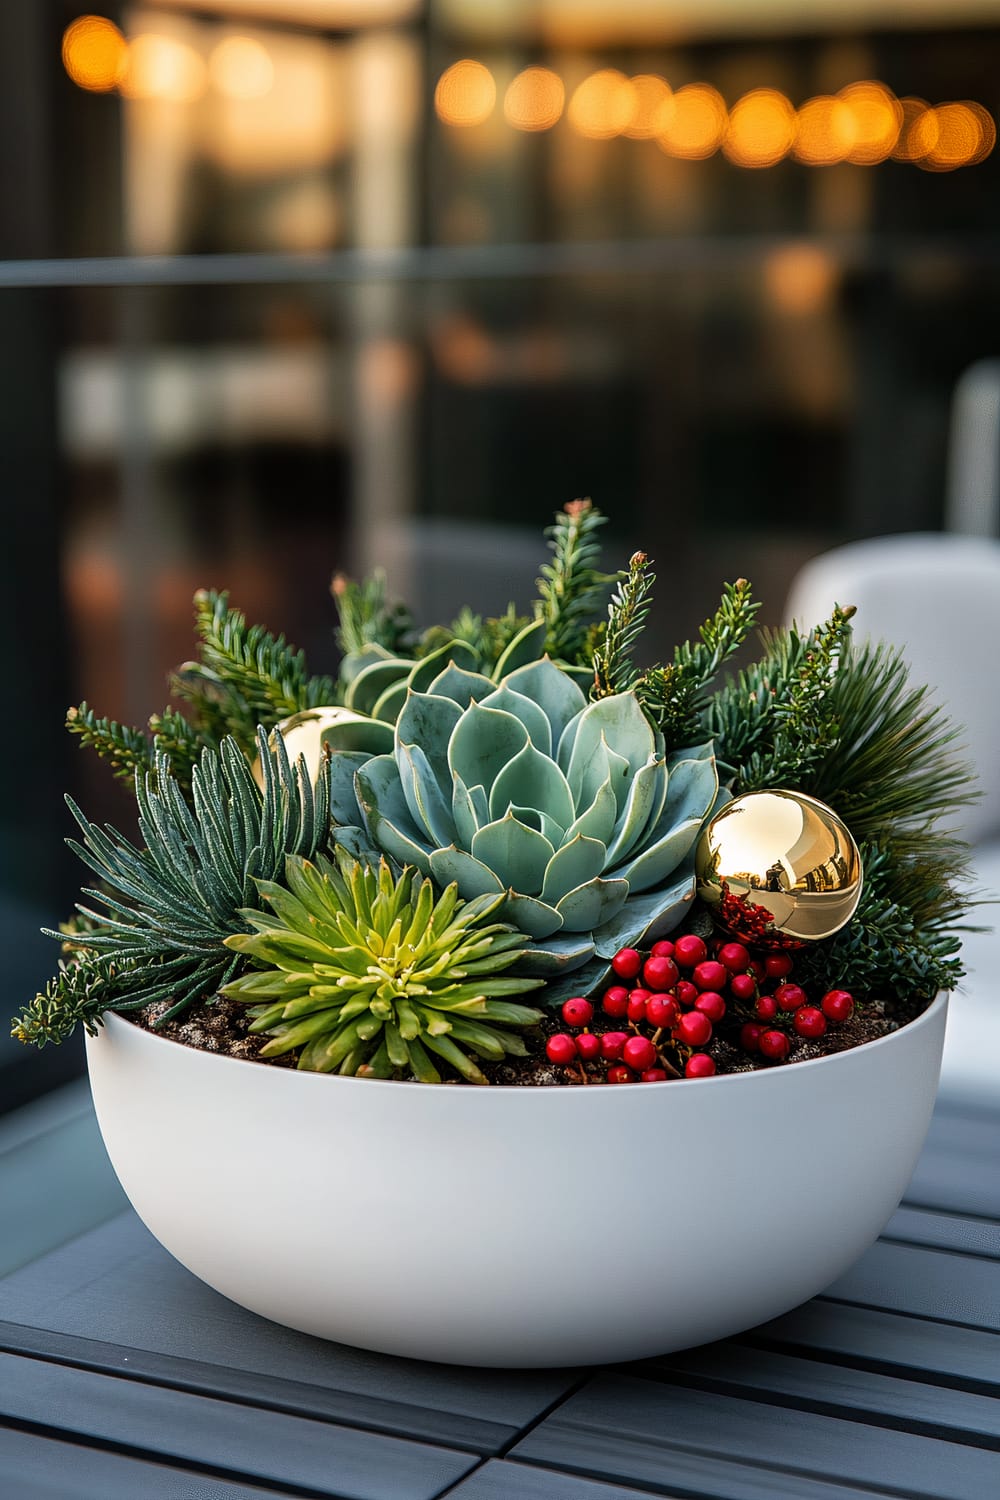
{"x": 571, "y": 808}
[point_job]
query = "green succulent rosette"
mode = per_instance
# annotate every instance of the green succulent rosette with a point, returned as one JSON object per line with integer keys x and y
{"x": 571, "y": 809}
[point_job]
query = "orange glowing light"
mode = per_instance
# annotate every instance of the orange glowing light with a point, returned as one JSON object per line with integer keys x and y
{"x": 652, "y": 107}
{"x": 761, "y": 129}
{"x": 94, "y": 53}
{"x": 241, "y": 68}
{"x": 534, "y": 99}
{"x": 878, "y": 119}
{"x": 160, "y": 67}
{"x": 916, "y": 133}
{"x": 799, "y": 279}
{"x": 694, "y": 123}
{"x": 603, "y": 105}
{"x": 824, "y": 131}
{"x": 955, "y": 135}
{"x": 465, "y": 94}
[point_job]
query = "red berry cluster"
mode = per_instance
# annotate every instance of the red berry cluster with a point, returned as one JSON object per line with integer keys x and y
{"x": 671, "y": 1020}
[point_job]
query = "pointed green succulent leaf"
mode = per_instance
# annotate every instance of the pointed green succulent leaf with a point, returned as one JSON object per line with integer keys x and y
{"x": 456, "y": 653}
{"x": 517, "y": 854}
{"x": 531, "y": 716}
{"x": 576, "y": 863}
{"x": 555, "y": 692}
{"x": 526, "y": 647}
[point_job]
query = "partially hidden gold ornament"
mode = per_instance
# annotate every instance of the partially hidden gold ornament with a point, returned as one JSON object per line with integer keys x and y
{"x": 779, "y": 869}
{"x": 316, "y": 732}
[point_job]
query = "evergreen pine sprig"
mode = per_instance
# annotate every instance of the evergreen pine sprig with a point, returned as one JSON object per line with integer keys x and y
{"x": 126, "y": 749}
{"x": 571, "y": 588}
{"x": 170, "y": 903}
{"x": 675, "y": 696}
{"x": 129, "y": 750}
{"x": 244, "y": 676}
{"x": 614, "y": 669}
{"x": 779, "y": 719}
{"x": 77, "y": 995}
{"x": 365, "y": 616}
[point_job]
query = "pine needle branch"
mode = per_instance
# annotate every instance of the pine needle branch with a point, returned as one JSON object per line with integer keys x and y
{"x": 169, "y": 903}
{"x": 614, "y": 669}
{"x": 675, "y": 696}
{"x": 779, "y": 719}
{"x": 571, "y": 588}
{"x": 77, "y": 995}
{"x": 365, "y": 616}
{"x": 244, "y": 675}
{"x": 127, "y": 750}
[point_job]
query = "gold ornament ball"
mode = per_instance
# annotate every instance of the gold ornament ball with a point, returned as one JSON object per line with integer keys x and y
{"x": 779, "y": 868}
{"x": 324, "y": 730}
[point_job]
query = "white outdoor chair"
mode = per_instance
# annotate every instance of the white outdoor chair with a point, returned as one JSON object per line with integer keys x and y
{"x": 937, "y": 595}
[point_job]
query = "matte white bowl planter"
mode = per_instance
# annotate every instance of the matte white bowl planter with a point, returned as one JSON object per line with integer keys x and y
{"x": 502, "y": 1226}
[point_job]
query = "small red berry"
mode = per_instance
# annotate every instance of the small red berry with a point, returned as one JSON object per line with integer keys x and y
{"x": 694, "y": 1028}
{"x": 654, "y": 1075}
{"x": 614, "y": 1001}
{"x": 734, "y": 956}
{"x": 627, "y": 963}
{"x": 637, "y": 1002}
{"x": 699, "y": 1065}
{"x": 838, "y": 1005}
{"x": 809, "y": 1021}
{"x": 690, "y": 950}
{"x": 577, "y": 1011}
{"x": 662, "y": 1010}
{"x": 639, "y": 1053}
{"x": 710, "y": 975}
{"x": 743, "y": 987}
{"x": 774, "y": 1044}
{"x": 711, "y": 1004}
{"x": 588, "y": 1046}
{"x": 560, "y": 1048}
{"x": 612, "y": 1043}
{"x": 766, "y": 1007}
{"x": 621, "y": 1074}
{"x": 790, "y": 996}
{"x": 749, "y": 1037}
{"x": 686, "y": 992}
{"x": 660, "y": 973}
{"x": 663, "y": 949}
{"x": 778, "y": 965}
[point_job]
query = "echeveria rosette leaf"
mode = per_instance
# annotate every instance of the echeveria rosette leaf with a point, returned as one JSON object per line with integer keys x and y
{"x": 569, "y": 808}
{"x": 377, "y": 975}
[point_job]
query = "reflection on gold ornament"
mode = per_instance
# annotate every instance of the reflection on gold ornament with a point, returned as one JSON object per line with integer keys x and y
{"x": 779, "y": 867}
{"x": 315, "y": 733}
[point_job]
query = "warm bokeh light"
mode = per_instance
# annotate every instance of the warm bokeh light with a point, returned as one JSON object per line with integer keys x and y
{"x": 824, "y": 131}
{"x": 94, "y": 53}
{"x": 954, "y": 135}
{"x": 534, "y": 99}
{"x": 652, "y": 107}
{"x": 465, "y": 94}
{"x": 800, "y": 279}
{"x": 603, "y": 105}
{"x": 914, "y": 140}
{"x": 694, "y": 122}
{"x": 160, "y": 67}
{"x": 878, "y": 119}
{"x": 241, "y": 68}
{"x": 761, "y": 129}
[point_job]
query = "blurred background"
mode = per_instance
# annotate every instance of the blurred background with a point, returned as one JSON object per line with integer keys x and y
{"x": 290, "y": 286}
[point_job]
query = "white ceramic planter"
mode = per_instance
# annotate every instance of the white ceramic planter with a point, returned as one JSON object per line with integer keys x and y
{"x": 501, "y": 1226}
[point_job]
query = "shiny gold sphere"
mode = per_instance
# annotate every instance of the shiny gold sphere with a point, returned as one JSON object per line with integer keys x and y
{"x": 316, "y": 732}
{"x": 779, "y": 868}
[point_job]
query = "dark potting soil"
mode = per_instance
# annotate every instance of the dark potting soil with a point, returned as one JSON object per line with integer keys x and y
{"x": 223, "y": 1026}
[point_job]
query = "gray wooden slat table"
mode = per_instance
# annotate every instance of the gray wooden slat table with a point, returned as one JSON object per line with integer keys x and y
{"x": 123, "y": 1376}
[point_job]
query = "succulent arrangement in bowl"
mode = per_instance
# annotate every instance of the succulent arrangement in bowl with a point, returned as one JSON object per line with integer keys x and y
{"x": 514, "y": 850}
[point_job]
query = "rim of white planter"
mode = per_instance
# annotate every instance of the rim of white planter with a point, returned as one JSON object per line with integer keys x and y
{"x": 515, "y": 1225}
